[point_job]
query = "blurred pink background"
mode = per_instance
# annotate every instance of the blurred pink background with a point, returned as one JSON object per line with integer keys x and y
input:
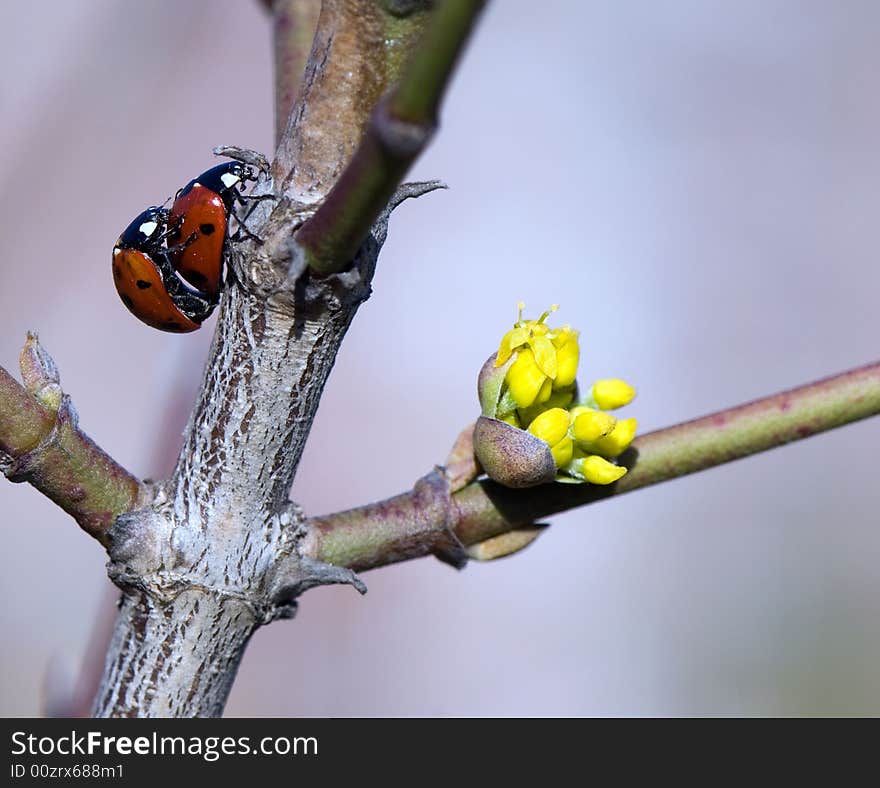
{"x": 696, "y": 182}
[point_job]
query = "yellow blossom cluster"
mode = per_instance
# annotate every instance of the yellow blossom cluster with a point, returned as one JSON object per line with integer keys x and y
{"x": 540, "y": 394}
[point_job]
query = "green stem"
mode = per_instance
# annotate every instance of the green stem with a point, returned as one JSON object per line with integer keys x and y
{"x": 418, "y": 94}
{"x": 23, "y": 421}
{"x": 399, "y": 129}
{"x": 46, "y": 449}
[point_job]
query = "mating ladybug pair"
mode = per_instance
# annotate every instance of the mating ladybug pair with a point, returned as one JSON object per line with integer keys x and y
{"x": 168, "y": 263}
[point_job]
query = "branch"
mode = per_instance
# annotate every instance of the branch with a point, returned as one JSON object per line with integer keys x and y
{"x": 293, "y": 31}
{"x": 365, "y": 538}
{"x": 216, "y": 554}
{"x": 355, "y": 57}
{"x": 400, "y": 127}
{"x": 40, "y": 443}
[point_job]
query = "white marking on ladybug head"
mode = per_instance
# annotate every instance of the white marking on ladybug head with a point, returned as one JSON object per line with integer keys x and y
{"x": 148, "y": 228}
{"x": 116, "y": 251}
{"x": 229, "y": 179}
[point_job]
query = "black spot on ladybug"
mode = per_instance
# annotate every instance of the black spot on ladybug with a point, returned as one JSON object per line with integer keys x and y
{"x": 116, "y": 272}
{"x": 142, "y": 285}
{"x": 171, "y": 325}
{"x": 207, "y": 229}
{"x": 127, "y": 301}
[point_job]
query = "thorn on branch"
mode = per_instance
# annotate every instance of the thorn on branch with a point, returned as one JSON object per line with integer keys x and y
{"x": 413, "y": 190}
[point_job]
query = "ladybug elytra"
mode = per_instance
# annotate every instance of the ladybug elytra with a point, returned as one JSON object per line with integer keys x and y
{"x": 147, "y": 282}
{"x": 199, "y": 219}
{"x": 168, "y": 264}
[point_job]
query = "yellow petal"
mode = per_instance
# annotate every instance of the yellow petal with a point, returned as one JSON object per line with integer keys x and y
{"x": 551, "y": 426}
{"x": 509, "y": 343}
{"x": 618, "y": 439}
{"x": 562, "y": 452}
{"x": 597, "y": 470}
{"x": 613, "y": 393}
{"x": 545, "y": 392}
{"x": 558, "y": 399}
{"x": 545, "y": 354}
{"x": 567, "y": 358}
{"x": 537, "y": 329}
{"x": 590, "y": 425}
{"x": 524, "y": 379}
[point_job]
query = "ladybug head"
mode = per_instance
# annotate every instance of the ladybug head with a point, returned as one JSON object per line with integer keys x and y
{"x": 226, "y": 180}
{"x": 146, "y": 230}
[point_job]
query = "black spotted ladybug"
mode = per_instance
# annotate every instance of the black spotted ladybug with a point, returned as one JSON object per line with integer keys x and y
{"x": 198, "y": 222}
{"x": 147, "y": 281}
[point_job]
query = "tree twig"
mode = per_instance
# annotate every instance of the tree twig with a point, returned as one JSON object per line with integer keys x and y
{"x": 293, "y": 32}
{"x": 356, "y": 55}
{"x": 45, "y": 447}
{"x": 484, "y": 509}
{"x": 400, "y": 127}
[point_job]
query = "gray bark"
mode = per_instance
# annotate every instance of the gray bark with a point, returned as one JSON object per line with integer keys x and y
{"x": 216, "y": 552}
{"x": 174, "y": 658}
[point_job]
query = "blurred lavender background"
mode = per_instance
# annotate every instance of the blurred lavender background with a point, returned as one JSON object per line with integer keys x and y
{"x": 696, "y": 182}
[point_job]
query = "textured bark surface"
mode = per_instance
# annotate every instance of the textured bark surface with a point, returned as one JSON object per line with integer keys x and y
{"x": 359, "y": 49}
{"x": 177, "y": 658}
{"x": 217, "y": 552}
{"x": 326, "y": 122}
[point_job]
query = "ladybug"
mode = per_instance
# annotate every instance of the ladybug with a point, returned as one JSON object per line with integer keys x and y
{"x": 147, "y": 281}
{"x": 198, "y": 223}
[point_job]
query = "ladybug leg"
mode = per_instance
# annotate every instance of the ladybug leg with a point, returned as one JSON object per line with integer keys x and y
{"x": 244, "y": 199}
{"x": 171, "y": 230}
{"x": 242, "y": 233}
{"x": 249, "y": 202}
{"x": 181, "y": 246}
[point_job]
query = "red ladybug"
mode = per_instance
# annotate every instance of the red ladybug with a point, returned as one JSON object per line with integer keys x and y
{"x": 148, "y": 283}
{"x": 198, "y": 223}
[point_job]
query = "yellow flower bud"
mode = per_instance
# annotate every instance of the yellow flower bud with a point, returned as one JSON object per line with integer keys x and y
{"x": 567, "y": 358}
{"x": 562, "y": 452}
{"x": 545, "y": 353}
{"x": 534, "y": 334}
{"x": 612, "y": 394}
{"x": 545, "y": 392}
{"x": 589, "y": 425}
{"x": 597, "y": 470}
{"x": 524, "y": 379}
{"x": 558, "y": 399}
{"x": 527, "y": 395}
{"x": 551, "y": 426}
{"x": 618, "y": 439}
